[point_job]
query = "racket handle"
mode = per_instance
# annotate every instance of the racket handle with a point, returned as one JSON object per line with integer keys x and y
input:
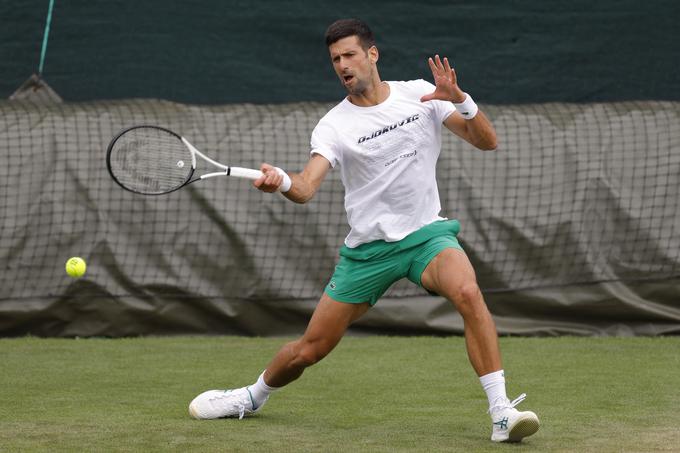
{"x": 247, "y": 173}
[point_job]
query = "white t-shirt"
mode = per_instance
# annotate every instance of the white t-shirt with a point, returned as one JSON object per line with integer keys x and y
{"x": 387, "y": 155}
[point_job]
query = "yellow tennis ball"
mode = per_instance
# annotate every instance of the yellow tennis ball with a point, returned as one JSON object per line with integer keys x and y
{"x": 75, "y": 267}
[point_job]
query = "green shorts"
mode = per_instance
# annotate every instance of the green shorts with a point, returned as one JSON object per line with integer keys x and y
{"x": 364, "y": 273}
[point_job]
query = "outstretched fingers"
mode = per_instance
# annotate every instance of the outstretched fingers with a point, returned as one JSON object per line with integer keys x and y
{"x": 450, "y": 72}
{"x": 436, "y": 65}
{"x": 444, "y": 80}
{"x": 441, "y": 69}
{"x": 440, "y": 66}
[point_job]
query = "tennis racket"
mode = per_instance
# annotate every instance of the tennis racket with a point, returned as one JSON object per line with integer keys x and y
{"x": 152, "y": 160}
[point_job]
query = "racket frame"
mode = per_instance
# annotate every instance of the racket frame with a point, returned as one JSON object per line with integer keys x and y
{"x": 239, "y": 172}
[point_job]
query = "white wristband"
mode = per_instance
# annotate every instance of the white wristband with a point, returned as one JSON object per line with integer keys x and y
{"x": 285, "y": 185}
{"x": 468, "y": 109}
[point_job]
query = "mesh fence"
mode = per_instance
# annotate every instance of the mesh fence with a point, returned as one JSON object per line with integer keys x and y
{"x": 576, "y": 194}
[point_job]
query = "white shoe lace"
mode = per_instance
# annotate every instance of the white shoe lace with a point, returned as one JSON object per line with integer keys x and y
{"x": 504, "y": 402}
{"x": 518, "y": 400}
{"x": 241, "y": 407}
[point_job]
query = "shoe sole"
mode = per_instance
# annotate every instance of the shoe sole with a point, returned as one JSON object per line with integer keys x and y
{"x": 193, "y": 412}
{"x": 523, "y": 427}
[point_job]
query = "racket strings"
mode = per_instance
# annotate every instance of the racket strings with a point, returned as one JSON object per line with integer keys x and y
{"x": 151, "y": 161}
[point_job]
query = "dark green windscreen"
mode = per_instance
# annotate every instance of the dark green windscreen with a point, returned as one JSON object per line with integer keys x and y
{"x": 215, "y": 52}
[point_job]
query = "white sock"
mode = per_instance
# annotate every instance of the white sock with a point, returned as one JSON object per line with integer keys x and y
{"x": 494, "y": 386}
{"x": 260, "y": 391}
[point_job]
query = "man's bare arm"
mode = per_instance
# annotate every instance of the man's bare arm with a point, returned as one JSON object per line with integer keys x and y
{"x": 477, "y": 130}
{"x": 303, "y": 185}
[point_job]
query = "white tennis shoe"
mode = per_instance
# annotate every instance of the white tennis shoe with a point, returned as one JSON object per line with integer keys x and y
{"x": 223, "y": 403}
{"x": 509, "y": 424}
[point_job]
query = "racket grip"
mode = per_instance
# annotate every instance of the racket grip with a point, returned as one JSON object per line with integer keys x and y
{"x": 247, "y": 173}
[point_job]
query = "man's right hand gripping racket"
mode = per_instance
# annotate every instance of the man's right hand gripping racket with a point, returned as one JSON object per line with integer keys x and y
{"x": 152, "y": 160}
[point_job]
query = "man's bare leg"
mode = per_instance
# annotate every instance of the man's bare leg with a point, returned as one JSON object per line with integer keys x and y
{"x": 329, "y": 322}
{"x": 450, "y": 274}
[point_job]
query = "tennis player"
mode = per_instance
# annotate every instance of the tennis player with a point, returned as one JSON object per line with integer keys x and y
{"x": 386, "y": 138}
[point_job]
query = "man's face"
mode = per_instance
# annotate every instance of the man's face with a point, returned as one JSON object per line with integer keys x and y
{"x": 353, "y": 65}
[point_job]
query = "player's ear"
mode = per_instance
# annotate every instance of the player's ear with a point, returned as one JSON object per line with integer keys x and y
{"x": 373, "y": 54}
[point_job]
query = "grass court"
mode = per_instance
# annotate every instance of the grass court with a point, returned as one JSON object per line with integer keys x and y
{"x": 372, "y": 394}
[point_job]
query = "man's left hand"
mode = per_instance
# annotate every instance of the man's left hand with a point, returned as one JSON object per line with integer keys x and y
{"x": 447, "y": 88}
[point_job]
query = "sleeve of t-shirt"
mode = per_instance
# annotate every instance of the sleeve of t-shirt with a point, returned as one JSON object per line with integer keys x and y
{"x": 324, "y": 142}
{"x": 441, "y": 109}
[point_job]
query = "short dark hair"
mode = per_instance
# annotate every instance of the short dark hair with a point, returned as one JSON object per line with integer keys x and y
{"x": 344, "y": 28}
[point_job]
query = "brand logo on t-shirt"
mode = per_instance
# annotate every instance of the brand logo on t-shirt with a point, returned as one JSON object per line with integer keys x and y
{"x": 391, "y": 127}
{"x": 403, "y": 156}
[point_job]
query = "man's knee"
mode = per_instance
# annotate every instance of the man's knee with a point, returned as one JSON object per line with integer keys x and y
{"x": 468, "y": 299}
{"x": 310, "y": 352}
